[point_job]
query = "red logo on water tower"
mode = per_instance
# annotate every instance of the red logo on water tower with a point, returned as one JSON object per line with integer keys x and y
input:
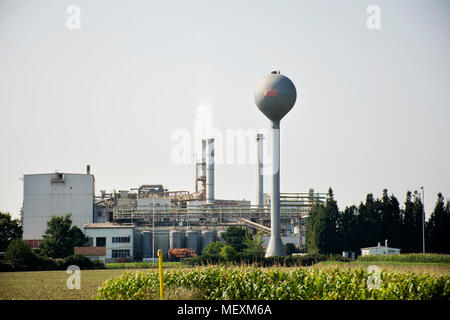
{"x": 270, "y": 93}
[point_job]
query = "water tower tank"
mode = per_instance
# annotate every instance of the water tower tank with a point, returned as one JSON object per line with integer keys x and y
{"x": 275, "y": 95}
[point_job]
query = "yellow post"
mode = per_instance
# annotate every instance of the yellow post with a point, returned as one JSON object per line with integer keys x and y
{"x": 161, "y": 292}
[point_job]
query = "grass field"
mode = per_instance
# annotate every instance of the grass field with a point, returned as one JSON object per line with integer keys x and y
{"x": 51, "y": 285}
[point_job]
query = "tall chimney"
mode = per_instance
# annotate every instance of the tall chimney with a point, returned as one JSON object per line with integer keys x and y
{"x": 88, "y": 169}
{"x": 210, "y": 171}
{"x": 260, "y": 195}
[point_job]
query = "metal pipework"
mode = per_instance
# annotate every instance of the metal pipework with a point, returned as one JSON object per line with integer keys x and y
{"x": 260, "y": 193}
{"x": 210, "y": 171}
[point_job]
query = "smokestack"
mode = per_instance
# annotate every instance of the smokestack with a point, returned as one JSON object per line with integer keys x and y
{"x": 209, "y": 171}
{"x": 260, "y": 195}
{"x": 88, "y": 169}
{"x": 203, "y": 151}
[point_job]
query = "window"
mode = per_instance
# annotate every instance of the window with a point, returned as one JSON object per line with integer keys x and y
{"x": 100, "y": 242}
{"x": 120, "y": 253}
{"x": 121, "y": 239}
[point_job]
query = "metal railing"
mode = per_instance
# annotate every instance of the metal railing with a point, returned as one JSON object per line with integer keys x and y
{"x": 210, "y": 211}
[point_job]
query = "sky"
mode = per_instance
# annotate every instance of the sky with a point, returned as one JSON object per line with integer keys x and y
{"x": 372, "y": 110}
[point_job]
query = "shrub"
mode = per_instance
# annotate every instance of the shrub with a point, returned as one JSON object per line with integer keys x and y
{"x": 291, "y": 248}
{"x": 20, "y": 255}
{"x": 82, "y": 262}
{"x": 228, "y": 253}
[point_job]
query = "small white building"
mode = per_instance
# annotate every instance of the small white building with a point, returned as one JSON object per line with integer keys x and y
{"x": 379, "y": 250}
{"x": 116, "y": 238}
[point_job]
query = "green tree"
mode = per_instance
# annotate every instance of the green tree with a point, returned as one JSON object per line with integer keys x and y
{"x": 416, "y": 238}
{"x": 369, "y": 222}
{"x": 311, "y": 226}
{"x": 347, "y": 229}
{"x": 254, "y": 248}
{"x": 20, "y": 255}
{"x": 235, "y": 237}
{"x": 228, "y": 253}
{"x": 323, "y": 235}
{"x": 213, "y": 249}
{"x": 408, "y": 225}
{"x": 438, "y": 227}
{"x": 390, "y": 219}
{"x": 60, "y": 238}
{"x": 10, "y": 229}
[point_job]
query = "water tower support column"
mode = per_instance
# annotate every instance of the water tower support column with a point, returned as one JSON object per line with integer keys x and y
{"x": 275, "y": 247}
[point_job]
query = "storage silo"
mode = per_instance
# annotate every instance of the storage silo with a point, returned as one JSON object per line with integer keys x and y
{"x": 162, "y": 242}
{"x": 146, "y": 244}
{"x": 194, "y": 241}
{"x": 208, "y": 236}
{"x": 176, "y": 239}
{"x": 137, "y": 244}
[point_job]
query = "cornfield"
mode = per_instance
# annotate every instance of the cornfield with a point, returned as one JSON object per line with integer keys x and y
{"x": 249, "y": 283}
{"x": 410, "y": 257}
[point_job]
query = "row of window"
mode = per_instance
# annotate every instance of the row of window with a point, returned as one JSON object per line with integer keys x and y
{"x": 121, "y": 239}
{"x": 120, "y": 253}
{"x": 101, "y": 241}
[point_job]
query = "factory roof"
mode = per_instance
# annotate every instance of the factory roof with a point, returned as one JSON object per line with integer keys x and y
{"x": 379, "y": 247}
{"x": 106, "y": 225}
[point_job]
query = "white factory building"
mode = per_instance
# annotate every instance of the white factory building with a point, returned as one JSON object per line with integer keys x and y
{"x": 57, "y": 194}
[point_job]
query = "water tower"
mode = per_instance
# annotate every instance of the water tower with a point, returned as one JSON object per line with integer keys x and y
{"x": 275, "y": 96}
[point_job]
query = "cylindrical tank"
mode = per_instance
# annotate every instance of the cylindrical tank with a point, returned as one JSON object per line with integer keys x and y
{"x": 176, "y": 239}
{"x": 146, "y": 244}
{"x": 220, "y": 235}
{"x": 208, "y": 236}
{"x": 137, "y": 244}
{"x": 162, "y": 242}
{"x": 194, "y": 241}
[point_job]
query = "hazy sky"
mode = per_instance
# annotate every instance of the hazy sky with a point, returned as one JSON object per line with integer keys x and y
{"x": 372, "y": 112}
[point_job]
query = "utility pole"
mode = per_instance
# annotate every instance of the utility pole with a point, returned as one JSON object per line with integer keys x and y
{"x": 423, "y": 219}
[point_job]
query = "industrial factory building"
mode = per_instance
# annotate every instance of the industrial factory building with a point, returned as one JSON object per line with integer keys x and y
{"x": 133, "y": 224}
{"x": 56, "y": 194}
